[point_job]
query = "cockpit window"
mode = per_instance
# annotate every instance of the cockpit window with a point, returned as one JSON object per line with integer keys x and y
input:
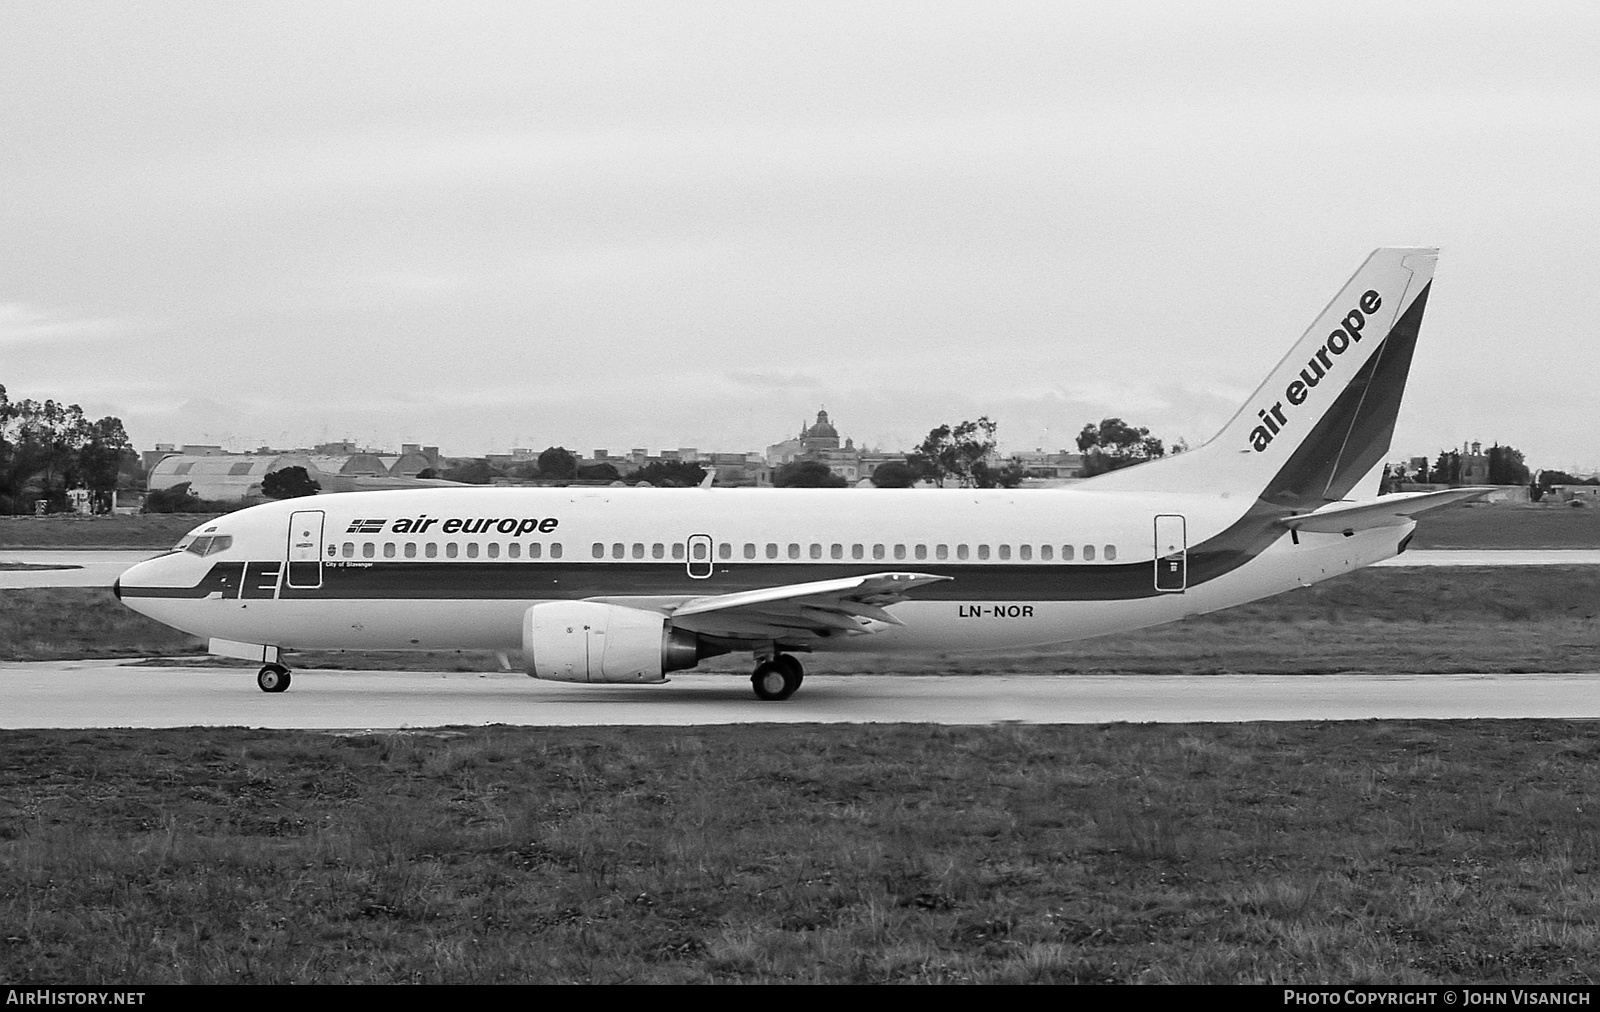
{"x": 208, "y": 545}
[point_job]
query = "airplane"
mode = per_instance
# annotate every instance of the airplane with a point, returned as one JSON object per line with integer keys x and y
{"x": 626, "y": 585}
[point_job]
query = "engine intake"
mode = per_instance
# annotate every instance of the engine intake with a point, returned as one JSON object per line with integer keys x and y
{"x": 584, "y": 641}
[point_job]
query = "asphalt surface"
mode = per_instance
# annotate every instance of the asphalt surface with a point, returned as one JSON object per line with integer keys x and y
{"x": 88, "y": 694}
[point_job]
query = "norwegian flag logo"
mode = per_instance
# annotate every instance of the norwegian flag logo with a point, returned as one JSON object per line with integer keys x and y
{"x": 366, "y": 526}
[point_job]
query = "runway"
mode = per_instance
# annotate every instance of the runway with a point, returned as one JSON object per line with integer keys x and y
{"x": 90, "y": 694}
{"x": 89, "y": 568}
{"x": 99, "y": 569}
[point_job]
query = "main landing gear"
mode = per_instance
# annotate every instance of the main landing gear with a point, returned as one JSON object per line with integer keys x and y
{"x": 777, "y": 677}
{"x": 273, "y": 678}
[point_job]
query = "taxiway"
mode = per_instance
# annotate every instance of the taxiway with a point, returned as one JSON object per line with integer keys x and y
{"x": 88, "y": 694}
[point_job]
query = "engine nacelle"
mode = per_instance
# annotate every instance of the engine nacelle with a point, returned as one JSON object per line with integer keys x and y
{"x": 584, "y": 641}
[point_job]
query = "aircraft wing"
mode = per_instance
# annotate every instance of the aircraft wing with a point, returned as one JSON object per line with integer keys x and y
{"x": 1385, "y": 511}
{"x": 848, "y": 606}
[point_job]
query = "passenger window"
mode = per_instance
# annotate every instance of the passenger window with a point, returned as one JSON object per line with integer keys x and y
{"x": 961, "y": 552}
{"x": 494, "y": 549}
{"x": 772, "y": 550}
{"x": 514, "y": 550}
{"x": 725, "y": 550}
{"x": 388, "y": 549}
{"x": 1025, "y": 552}
{"x": 411, "y": 549}
{"x": 922, "y": 551}
{"x": 431, "y": 550}
{"x": 1044, "y": 552}
{"x": 658, "y": 551}
{"x": 677, "y": 551}
{"x": 555, "y": 550}
{"x": 899, "y": 551}
{"x": 1111, "y": 553}
{"x": 749, "y": 550}
{"x": 368, "y": 550}
{"x": 877, "y": 551}
{"x": 1066, "y": 553}
{"x": 941, "y": 551}
{"x": 857, "y": 552}
{"x": 617, "y": 549}
{"x": 638, "y": 549}
{"x": 599, "y": 550}
{"x": 1088, "y": 553}
{"x": 835, "y": 551}
{"x": 535, "y": 550}
{"x": 472, "y": 549}
{"x": 451, "y": 549}
{"x": 794, "y": 550}
{"x": 1005, "y": 551}
{"x": 333, "y": 549}
{"x": 816, "y": 551}
{"x": 983, "y": 551}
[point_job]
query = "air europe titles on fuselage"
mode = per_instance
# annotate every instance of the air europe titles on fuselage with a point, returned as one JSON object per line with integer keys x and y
{"x": 511, "y": 526}
{"x": 1274, "y": 419}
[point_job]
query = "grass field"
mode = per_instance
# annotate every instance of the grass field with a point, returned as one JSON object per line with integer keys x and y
{"x": 1459, "y": 852}
{"x": 1373, "y": 852}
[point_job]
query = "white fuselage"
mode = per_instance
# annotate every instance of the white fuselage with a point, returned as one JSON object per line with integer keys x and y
{"x": 458, "y": 568}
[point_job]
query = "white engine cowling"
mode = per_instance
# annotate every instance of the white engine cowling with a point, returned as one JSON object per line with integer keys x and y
{"x": 584, "y": 641}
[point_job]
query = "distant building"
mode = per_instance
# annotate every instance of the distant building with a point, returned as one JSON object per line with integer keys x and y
{"x": 238, "y": 477}
{"x": 819, "y": 442}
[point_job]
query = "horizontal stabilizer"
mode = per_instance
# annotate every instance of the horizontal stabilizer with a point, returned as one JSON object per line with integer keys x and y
{"x": 1385, "y": 511}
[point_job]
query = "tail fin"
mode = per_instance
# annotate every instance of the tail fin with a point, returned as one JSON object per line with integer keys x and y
{"x": 1325, "y": 415}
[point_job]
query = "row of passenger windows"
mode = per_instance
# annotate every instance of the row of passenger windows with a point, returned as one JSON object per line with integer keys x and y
{"x": 794, "y": 550}
{"x": 773, "y": 550}
{"x": 452, "y": 550}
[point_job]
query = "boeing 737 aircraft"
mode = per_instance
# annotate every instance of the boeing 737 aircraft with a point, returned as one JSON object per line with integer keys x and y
{"x": 624, "y": 585}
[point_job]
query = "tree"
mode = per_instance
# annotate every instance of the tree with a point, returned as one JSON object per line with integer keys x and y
{"x": 954, "y": 452}
{"x": 669, "y": 473}
{"x": 807, "y": 474}
{"x": 1447, "y": 469}
{"x": 894, "y": 474}
{"x": 46, "y": 447}
{"x": 558, "y": 462}
{"x": 1010, "y": 476}
{"x": 289, "y": 483}
{"x": 1115, "y": 444}
{"x": 598, "y": 472}
{"x": 176, "y": 499}
{"x": 477, "y": 472}
{"x": 1506, "y": 466}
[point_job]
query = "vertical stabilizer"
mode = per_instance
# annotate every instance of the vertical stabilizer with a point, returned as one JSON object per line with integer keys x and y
{"x": 1326, "y": 413}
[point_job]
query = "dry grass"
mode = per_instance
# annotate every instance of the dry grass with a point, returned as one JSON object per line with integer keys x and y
{"x": 1399, "y": 852}
{"x": 146, "y": 530}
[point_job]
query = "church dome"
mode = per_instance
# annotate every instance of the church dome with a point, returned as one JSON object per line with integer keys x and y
{"x": 823, "y": 429}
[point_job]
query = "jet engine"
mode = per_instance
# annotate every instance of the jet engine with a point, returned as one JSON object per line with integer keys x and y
{"x": 584, "y": 641}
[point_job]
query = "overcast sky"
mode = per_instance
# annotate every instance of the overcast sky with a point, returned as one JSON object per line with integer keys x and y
{"x": 693, "y": 224}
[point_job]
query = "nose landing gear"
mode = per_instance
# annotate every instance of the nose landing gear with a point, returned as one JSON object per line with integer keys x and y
{"x": 777, "y": 678}
{"x": 273, "y": 678}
